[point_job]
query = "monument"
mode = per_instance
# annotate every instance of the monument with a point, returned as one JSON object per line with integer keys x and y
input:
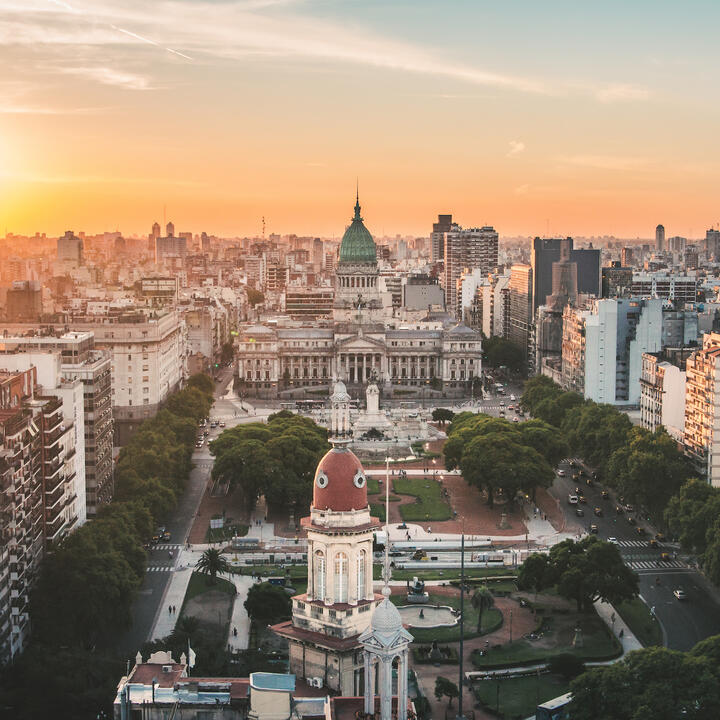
{"x": 372, "y": 418}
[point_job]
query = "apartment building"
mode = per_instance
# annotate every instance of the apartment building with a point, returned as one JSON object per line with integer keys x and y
{"x": 701, "y": 436}
{"x": 80, "y": 361}
{"x": 309, "y": 302}
{"x": 663, "y": 390}
{"x": 680, "y": 289}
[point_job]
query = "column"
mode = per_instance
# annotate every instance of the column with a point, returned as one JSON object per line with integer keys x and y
{"x": 369, "y": 684}
{"x": 402, "y": 690}
{"x": 364, "y": 375}
{"x": 347, "y": 368}
{"x": 385, "y": 688}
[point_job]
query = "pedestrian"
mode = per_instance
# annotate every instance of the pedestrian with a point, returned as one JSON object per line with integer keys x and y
{"x": 622, "y": 631}
{"x": 235, "y": 631}
{"x": 174, "y": 610}
{"x": 169, "y": 609}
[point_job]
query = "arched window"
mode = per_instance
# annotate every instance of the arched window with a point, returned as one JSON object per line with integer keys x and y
{"x": 341, "y": 578}
{"x": 319, "y": 575}
{"x": 361, "y": 575}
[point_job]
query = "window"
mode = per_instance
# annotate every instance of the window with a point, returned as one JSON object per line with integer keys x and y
{"x": 319, "y": 575}
{"x": 341, "y": 578}
{"x": 361, "y": 575}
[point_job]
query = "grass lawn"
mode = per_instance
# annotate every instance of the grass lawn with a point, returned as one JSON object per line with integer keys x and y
{"x": 449, "y": 574}
{"x": 519, "y": 696}
{"x": 491, "y": 620}
{"x": 199, "y": 584}
{"x": 430, "y": 506}
{"x": 373, "y": 486}
{"x": 598, "y": 643}
{"x": 228, "y": 532}
{"x": 298, "y": 573}
{"x": 638, "y": 618}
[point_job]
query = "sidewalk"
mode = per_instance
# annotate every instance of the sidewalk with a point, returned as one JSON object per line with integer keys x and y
{"x": 239, "y": 618}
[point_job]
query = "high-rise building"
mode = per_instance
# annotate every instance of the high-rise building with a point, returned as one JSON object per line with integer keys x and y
{"x": 70, "y": 249}
{"x": 660, "y": 239}
{"x": 627, "y": 257}
{"x": 712, "y": 244}
{"x": 469, "y": 249}
{"x": 680, "y": 289}
{"x": 80, "y": 361}
{"x": 603, "y": 346}
{"x": 155, "y": 232}
{"x": 702, "y": 409}
{"x": 520, "y": 319}
{"x": 170, "y": 247}
{"x": 677, "y": 244}
{"x": 662, "y": 393}
{"x": 546, "y": 251}
{"x": 437, "y": 237}
{"x": 170, "y": 229}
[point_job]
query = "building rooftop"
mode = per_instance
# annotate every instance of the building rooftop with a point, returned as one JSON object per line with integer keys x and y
{"x": 272, "y": 681}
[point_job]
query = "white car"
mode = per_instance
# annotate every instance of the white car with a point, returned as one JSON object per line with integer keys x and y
{"x": 680, "y": 594}
{"x": 572, "y": 499}
{"x": 613, "y": 540}
{"x": 561, "y": 473}
{"x": 512, "y": 397}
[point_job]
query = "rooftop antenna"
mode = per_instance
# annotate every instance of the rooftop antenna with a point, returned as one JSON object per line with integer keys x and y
{"x": 263, "y": 227}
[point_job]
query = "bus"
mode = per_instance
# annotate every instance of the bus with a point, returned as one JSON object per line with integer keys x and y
{"x": 556, "y": 709}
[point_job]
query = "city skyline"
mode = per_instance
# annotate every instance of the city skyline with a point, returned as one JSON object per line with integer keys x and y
{"x": 228, "y": 112}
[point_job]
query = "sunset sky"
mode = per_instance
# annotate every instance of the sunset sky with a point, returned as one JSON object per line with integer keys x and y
{"x": 587, "y": 118}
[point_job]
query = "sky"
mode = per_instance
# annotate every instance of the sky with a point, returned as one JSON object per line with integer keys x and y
{"x": 569, "y": 118}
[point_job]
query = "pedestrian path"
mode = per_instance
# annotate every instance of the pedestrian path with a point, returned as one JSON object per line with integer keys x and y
{"x": 239, "y": 621}
{"x": 174, "y": 595}
{"x": 160, "y": 568}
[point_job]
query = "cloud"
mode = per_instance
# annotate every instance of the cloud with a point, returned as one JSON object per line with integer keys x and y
{"x": 619, "y": 92}
{"x": 110, "y": 76}
{"x": 605, "y": 162}
{"x": 516, "y": 147}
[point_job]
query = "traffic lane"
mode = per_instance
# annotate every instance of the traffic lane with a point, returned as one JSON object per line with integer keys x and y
{"x": 686, "y": 622}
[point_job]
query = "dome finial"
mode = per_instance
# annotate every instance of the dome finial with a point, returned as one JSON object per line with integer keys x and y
{"x": 357, "y": 200}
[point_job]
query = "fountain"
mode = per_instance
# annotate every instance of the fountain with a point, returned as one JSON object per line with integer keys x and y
{"x": 416, "y": 594}
{"x": 428, "y": 616}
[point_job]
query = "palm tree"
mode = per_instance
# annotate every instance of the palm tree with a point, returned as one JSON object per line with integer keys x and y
{"x": 482, "y": 600}
{"x": 212, "y": 563}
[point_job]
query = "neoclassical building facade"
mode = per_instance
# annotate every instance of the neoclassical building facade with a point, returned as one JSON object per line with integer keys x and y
{"x": 360, "y": 343}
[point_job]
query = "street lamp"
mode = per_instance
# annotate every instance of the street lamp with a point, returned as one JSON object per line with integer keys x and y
{"x": 460, "y": 715}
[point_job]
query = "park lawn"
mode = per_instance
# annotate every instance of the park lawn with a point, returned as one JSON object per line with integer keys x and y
{"x": 199, "y": 584}
{"x": 378, "y": 510}
{"x": 518, "y": 697}
{"x": 491, "y": 620}
{"x": 298, "y": 574}
{"x": 449, "y": 574}
{"x": 598, "y": 644}
{"x": 638, "y": 618}
{"x": 430, "y": 503}
{"x": 373, "y": 486}
{"x": 226, "y": 533}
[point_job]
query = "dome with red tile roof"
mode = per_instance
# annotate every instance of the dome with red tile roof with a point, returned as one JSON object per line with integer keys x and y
{"x": 340, "y": 482}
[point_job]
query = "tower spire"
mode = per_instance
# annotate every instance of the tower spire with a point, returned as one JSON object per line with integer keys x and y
{"x": 357, "y": 200}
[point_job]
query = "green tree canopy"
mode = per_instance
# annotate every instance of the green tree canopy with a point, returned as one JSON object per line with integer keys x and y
{"x": 268, "y": 603}
{"x": 445, "y": 688}
{"x": 442, "y": 415}
{"x": 499, "y": 352}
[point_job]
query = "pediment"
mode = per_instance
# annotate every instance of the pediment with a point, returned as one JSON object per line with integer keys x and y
{"x": 360, "y": 344}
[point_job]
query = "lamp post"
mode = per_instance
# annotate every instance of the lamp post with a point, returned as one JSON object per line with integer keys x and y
{"x": 460, "y": 715}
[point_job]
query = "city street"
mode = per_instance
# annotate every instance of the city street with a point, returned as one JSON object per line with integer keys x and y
{"x": 684, "y": 622}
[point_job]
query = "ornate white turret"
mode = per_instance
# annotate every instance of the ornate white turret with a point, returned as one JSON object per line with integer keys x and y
{"x": 339, "y": 415}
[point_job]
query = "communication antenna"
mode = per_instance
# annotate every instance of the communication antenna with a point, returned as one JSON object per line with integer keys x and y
{"x": 263, "y": 227}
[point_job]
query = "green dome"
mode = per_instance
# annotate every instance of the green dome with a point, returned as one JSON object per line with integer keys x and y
{"x": 357, "y": 245}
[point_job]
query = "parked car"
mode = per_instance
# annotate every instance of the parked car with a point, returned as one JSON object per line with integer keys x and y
{"x": 665, "y": 556}
{"x": 594, "y": 529}
{"x": 561, "y": 473}
{"x": 598, "y": 511}
{"x": 619, "y": 509}
{"x": 613, "y": 540}
{"x": 582, "y": 499}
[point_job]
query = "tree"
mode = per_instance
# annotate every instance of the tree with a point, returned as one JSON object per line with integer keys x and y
{"x": 537, "y": 389}
{"x": 566, "y": 664}
{"x": 692, "y": 513}
{"x": 442, "y": 415}
{"x": 533, "y": 573}
{"x": 202, "y": 382}
{"x": 546, "y": 439}
{"x": 590, "y": 570}
{"x": 650, "y": 683}
{"x": 648, "y": 470}
{"x": 227, "y": 352}
{"x": 445, "y": 688}
{"x": 482, "y": 599}
{"x": 268, "y": 603}
{"x": 213, "y": 563}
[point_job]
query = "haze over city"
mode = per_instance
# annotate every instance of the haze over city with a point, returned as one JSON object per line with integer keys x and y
{"x": 558, "y": 117}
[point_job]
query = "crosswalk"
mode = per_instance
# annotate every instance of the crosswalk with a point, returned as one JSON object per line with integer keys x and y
{"x": 160, "y": 568}
{"x": 653, "y": 565}
{"x": 165, "y": 546}
{"x": 635, "y": 543}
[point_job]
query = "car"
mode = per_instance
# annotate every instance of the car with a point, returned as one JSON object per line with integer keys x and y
{"x": 576, "y": 476}
{"x": 680, "y": 594}
{"x": 561, "y": 473}
{"x": 572, "y": 499}
{"x": 594, "y": 529}
{"x": 402, "y": 526}
{"x": 511, "y": 407}
{"x": 512, "y": 397}
{"x": 199, "y": 443}
{"x": 222, "y": 423}
{"x": 613, "y": 540}
{"x": 579, "y": 512}
{"x": 653, "y": 543}
{"x": 640, "y": 530}
{"x": 631, "y": 520}
{"x": 582, "y": 499}
{"x": 665, "y": 556}
{"x": 660, "y": 537}
{"x": 619, "y": 509}
{"x": 502, "y": 403}
{"x": 573, "y": 463}
{"x": 629, "y": 507}
{"x": 516, "y": 419}
{"x": 598, "y": 511}
{"x": 605, "y": 495}
{"x": 166, "y": 536}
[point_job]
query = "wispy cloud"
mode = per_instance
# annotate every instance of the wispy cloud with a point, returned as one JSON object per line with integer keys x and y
{"x": 619, "y": 92}
{"x": 605, "y": 162}
{"x": 516, "y": 147}
{"x": 110, "y": 76}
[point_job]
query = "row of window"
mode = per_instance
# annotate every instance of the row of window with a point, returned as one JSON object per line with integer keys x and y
{"x": 340, "y": 576}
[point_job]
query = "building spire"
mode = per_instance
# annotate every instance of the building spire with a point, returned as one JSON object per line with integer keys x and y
{"x": 357, "y": 200}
